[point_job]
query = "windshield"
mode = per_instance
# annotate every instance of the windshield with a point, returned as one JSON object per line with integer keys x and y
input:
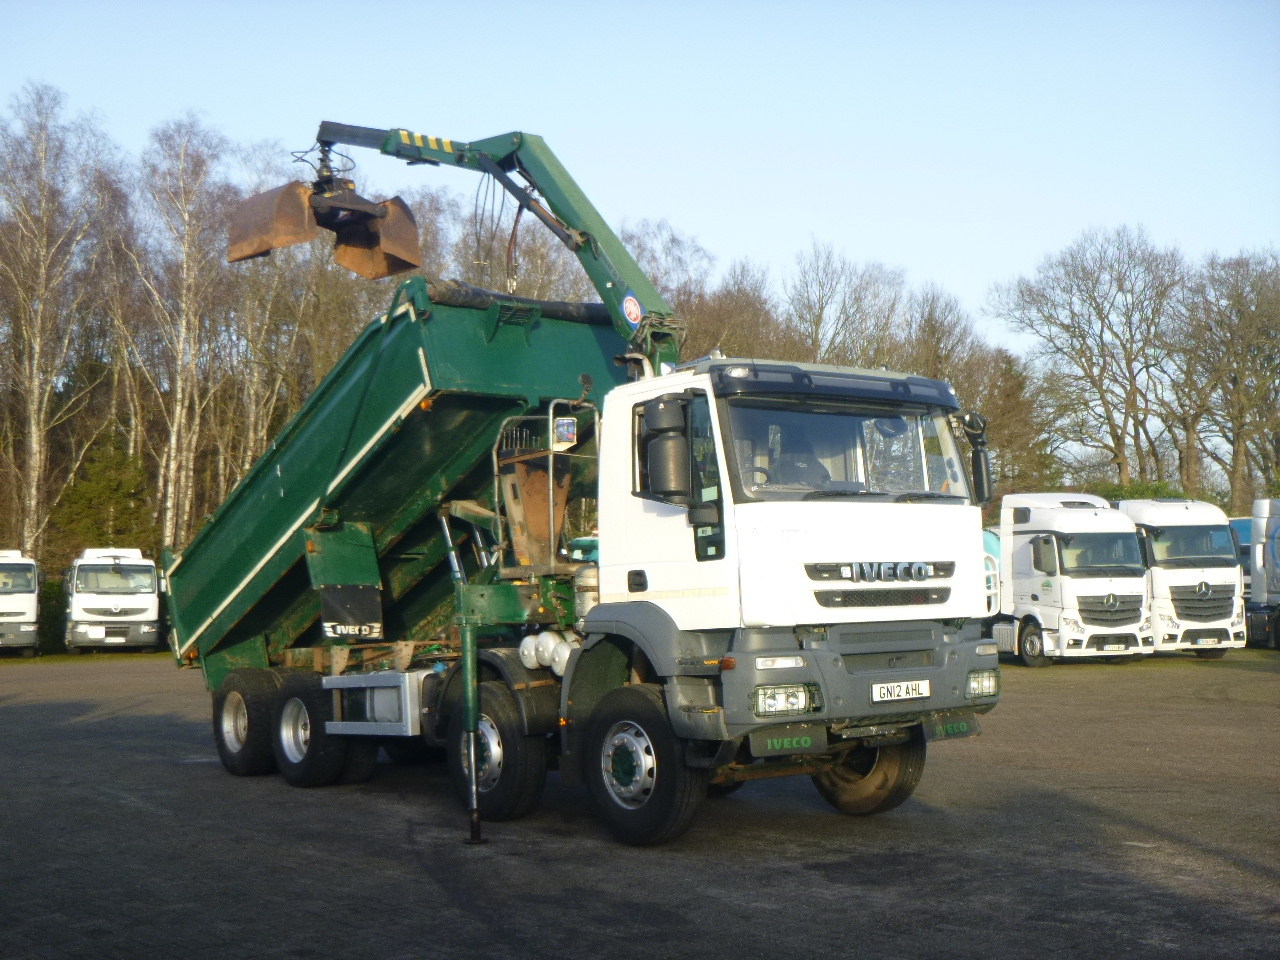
{"x": 1101, "y": 555}
{"x": 17, "y": 578}
{"x": 798, "y": 450}
{"x": 1192, "y": 546}
{"x": 116, "y": 578}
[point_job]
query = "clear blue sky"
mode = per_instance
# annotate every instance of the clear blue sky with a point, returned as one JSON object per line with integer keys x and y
{"x": 960, "y": 141}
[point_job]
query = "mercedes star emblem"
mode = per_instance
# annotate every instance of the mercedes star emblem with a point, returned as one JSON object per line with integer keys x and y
{"x": 1111, "y": 602}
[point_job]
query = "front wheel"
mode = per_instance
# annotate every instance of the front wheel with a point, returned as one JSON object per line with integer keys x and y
{"x": 1031, "y": 646}
{"x": 512, "y": 765}
{"x": 868, "y": 780}
{"x": 634, "y": 766}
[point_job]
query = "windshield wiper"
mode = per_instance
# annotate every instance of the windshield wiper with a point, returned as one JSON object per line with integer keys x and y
{"x": 821, "y": 494}
{"x": 925, "y": 495}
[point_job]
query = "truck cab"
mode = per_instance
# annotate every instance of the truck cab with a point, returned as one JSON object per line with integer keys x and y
{"x": 19, "y": 602}
{"x": 1072, "y": 582}
{"x": 113, "y": 600}
{"x": 1264, "y": 562}
{"x": 1197, "y": 591}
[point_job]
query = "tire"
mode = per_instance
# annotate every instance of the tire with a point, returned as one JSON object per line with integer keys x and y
{"x": 513, "y": 765}
{"x": 242, "y": 722}
{"x": 29, "y": 652}
{"x": 1211, "y": 654}
{"x": 306, "y": 755}
{"x": 634, "y": 766}
{"x": 1031, "y": 646}
{"x": 869, "y": 780}
{"x": 362, "y": 761}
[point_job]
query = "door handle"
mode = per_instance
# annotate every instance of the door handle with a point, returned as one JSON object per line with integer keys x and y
{"x": 637, "y": 582}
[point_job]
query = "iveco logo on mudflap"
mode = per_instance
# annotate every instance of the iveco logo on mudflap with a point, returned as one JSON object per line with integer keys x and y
{"x": 371, "y": 631}
{"x": 870, "y": 572}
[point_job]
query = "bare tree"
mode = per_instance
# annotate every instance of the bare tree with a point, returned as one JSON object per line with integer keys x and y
{"x": 1097, "y": 309}
{"x": 53, "y": 203}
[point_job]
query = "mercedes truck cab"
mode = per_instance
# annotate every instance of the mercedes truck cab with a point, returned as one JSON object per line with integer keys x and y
{"x": 19, "y": 602}
{"x": 112, "y": 600}
{"x": 1197, "y": 591}
{"x": 1072, "y": 581}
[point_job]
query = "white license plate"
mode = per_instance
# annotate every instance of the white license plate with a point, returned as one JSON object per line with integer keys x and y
{"x": 899, "y": 690}
{"x": 1207, "y": 641}
{"x": 1115, "y": 646}
{"x": 95, "y": 633}
{"x": 116, "y": 639}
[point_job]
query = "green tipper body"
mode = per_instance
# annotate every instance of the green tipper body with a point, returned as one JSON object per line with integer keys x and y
{"x": 348, "y": 494}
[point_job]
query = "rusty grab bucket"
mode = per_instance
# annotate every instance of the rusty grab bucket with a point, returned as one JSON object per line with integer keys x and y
{"x": 268, "y": 221}
{"x": 378, "y": 247}
{"x": 373, "y": 240}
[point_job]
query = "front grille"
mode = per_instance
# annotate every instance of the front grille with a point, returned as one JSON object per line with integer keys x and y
{"x": 1217, "y": 604}
{"x": 881, "y": 598}
{"x": 1105, "y": 640}
{"x": 108, "y": 612}
{"x": 1194, "y": 636}
{"x": 1112, "y": 610}
{"x": 900, "y": 660}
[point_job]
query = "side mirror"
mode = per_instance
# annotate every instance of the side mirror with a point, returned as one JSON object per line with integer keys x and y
{"x": 975, "y": 429}
{"x": 667, "y": 451}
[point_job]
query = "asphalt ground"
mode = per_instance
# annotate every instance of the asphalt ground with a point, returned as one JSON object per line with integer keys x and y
{"x": 1106, "y": 811}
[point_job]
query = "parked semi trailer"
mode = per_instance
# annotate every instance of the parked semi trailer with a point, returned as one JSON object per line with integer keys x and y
{"x": 1072, "y": 581}
{"x": 19, "y": 603}
{"x": 790, "y": 568}
{"x": 1193, "y": 575}
{"x": 1264, "y": 563}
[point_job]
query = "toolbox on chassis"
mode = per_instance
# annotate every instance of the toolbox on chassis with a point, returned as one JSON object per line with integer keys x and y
{"x": 789, "y": 578}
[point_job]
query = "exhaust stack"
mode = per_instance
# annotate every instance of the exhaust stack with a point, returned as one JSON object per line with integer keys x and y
{"x": 374, "y": 240}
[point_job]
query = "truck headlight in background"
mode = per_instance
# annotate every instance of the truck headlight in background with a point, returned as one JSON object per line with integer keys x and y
{"x": 778, "y": 663}
{"x": 26, "y": 628}
{"x": 788, "y": 699}
{"x": 982, "y": 683}
{"x": 147, "y": 628}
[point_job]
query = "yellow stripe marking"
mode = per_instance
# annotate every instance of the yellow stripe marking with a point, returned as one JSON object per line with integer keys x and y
{"x": 433, "y": 143}
{"x": 417, "y": 139}
{"x": 448, "y": 146}
{"x": 404, "y": 136}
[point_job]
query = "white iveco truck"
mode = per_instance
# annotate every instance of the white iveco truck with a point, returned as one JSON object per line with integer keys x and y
{"x": 19, "y": 602}
{"x": 1264, "y": 591}
{"x": 1197, "y": 591}
{"x": 112, "y": 600}
{"x": 1072, "y": 581}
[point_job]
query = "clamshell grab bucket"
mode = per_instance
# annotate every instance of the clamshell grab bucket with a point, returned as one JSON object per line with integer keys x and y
{"x": 267, "y": 221}
{"x": 379, "y": 247}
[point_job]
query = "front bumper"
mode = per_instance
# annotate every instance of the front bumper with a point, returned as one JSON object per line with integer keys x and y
{"x": 844, "y": 663}
{"x": 106, "y": 635}
{"x": 1200, "y": 636}
{"x": 19, "y": 635}
{"x": 1090, "y": 641}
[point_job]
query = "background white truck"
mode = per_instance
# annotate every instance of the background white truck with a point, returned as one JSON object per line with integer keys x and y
{"x": 1197, "y": 590}
{"x": 1072, "y": 580}
{"x": 19, "y": 602}
{"x": 1264, "y": 591}
{"x": 112, "y": 600}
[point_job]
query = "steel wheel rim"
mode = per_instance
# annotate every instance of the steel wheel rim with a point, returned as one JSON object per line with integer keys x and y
{"x": 235, "y": 721}
{"x": 628, "y": 764}
{"x": 1032, "y": 643}
{"x": 488, "y": 754}
{"x": 295, "y": 730}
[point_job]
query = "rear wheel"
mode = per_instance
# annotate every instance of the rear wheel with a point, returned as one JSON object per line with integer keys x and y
{"x": 512, "y": 765}
{"x": 1211, "y": 654}
{"x": 242, "y": 711}
{"x": 306, "y": 755}
{"x": 1031, "y": 646}
{"x": 869, "y": 780}
{"x": 635, "y": 767}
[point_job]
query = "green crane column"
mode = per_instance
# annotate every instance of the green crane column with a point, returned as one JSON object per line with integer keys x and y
{"x": 471, "y": 722}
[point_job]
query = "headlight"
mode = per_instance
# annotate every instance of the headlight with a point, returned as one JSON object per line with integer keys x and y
{"x": 982, "y": 683}
{"x": 147, "y": 628}
{"x": 1145, "y": 624}
{"x": 788, "y": 698}
{"x": 778, "y": 663}
{"x": 26, "y": 628}
{"x": 1071, "y": 623}
{"x": 986, "y": 650}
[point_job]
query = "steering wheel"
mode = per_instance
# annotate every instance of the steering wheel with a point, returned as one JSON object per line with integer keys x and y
{"x": 761, "y": 470}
